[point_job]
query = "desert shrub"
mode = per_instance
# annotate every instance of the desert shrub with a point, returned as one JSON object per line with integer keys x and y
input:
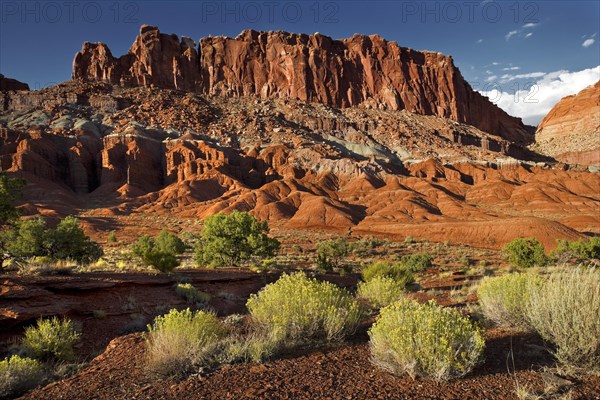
{"x": 381, "y": 291}
{"x": 51, "y": 338}
{"x": 582, "y": 250}
{"x": 299, "y": 308}
{"x": 331, "y": 252}
{"x": 504, "y": 299}
{"x": 31, "y": 238}
{"x": 10, "y": 191}
{"x": 417, "y": 262}
{"x": 232, "y": 239}
{"x": 396, "y": 271}
{"x": 365, "y": 247}
{"x": 161, "y": 252}
{"x": 179, "y": 340}
{"x": 112, "y": 237}
{"x": 69, "y": 241}
{"x": 425, "y": 340}
{"x": 525, "y": 253}
{"x": 565, "y": 311}
{"x": 191, "y": 294}
{"x": 256, "y": 346}
{"x": 17, "y": 375}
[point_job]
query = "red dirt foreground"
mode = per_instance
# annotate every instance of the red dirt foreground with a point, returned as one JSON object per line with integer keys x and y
{"x": 343, "y": 372}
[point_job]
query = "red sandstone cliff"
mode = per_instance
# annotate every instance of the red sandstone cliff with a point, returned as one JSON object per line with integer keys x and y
{"x": 7, "y": 84}
{"x": 358, "y": 71}
{"x": 571, "y": 130}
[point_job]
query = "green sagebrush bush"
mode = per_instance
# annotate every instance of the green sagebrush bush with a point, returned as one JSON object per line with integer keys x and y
{"x": 179, "y": 340}
{"x": 582, "y": 250}
{"x": 298, "y": 308}
{"x": 565, "y": 310}
{"x": 396, "y": 271}
{"x": 381, "y": 291}
{"x": 191, "y": 294}
{"x": 425, "y": 340}
{"x": 330, "y": 253}
{"x": 51, "y": 338}
{"x": 504, "y": 299}
{"x": 18, "y": 375}
{"x": 417, "y": 262}
{"x": 525, "y": 253}
{"x": 232, "y": 239}
{"x": 160, "y": 252}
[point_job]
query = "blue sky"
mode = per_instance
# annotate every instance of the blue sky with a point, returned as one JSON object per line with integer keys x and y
{"x": 501, "y": 47}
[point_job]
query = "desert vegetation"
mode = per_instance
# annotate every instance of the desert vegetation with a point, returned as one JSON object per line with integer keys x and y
{"x": 425, "y": 340}
{"x": 160, "y": 252}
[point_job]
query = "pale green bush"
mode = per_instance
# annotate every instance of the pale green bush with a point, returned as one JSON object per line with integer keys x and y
{"x": 298, "y": 308}
{"x": 191, "y": 294}
{"x": 425, "y": 340}
{"x": 179, "y": 340}
{"x": 51, "y": 338}
{"x": 396, "y": 271}
{"x": 17, "y": 375}
{"x": 565, "y": 311}
{"x": 381, "y": 291}
{"x": 503, "y": 299}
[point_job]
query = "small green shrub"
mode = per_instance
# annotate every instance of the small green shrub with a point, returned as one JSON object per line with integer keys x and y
{"x": 396, "y": 271}
{"x": 298, "y": 308}
{"x": 232, "y": 239}
{"x": 253, "y": 347}
{"x": 18, "y": 375}
{"x": 366, "y": 247}
{"x": 381, "y": 291}
{"x": 191, "y": 294}
{"x": 330, "y": 253}
{"x": 161, "y": 252}
{"x": 417, "y": 262}
{"x": 525, "y": 253}
{"x": 504, "y": 299}
{"x": 112, "y": 237}
{"x": 179, "y": 340}
{"x": 565, "y": 311}
{"x": 582, "y": 250}
{"x": 425, "y": 340}
{"x": 51, "y": 338}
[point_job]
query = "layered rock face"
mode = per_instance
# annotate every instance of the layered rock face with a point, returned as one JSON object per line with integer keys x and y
{"x": 365, "y": 71}
{"x": 8, "y": 84}
{"x": 571, "y": 130}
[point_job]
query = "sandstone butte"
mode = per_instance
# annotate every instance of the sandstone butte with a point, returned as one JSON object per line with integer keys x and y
{"x": 571, "y": 130}
{"x": 354, "y": 136}
{"x": 361, "y": 70}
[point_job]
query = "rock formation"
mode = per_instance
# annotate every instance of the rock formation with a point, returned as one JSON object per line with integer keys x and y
{"x": 365, "y": 71}
{"x": 571, "y": 130}
{"x": 7, "y": 84}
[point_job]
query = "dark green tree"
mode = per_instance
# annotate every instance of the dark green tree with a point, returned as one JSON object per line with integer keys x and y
{"x": 229, "y": 239}
{"x": 10, "y": 192}
{"x": 160, "y": 252}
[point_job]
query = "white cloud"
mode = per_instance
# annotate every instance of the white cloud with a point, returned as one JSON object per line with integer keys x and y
{"x": 495, "y": 63}
{"x": 530, "y": 25}
{"x": 510, "y": 34}
{"x": 588, "y": 42}
{"x": 532, "y": 103}
{"x": 511, "y": 68}
{"x": 530, "y": 34}
{"x": 530, "y": 75}
{"x": 491, "y": 78}
{"x": 480, "y": 41}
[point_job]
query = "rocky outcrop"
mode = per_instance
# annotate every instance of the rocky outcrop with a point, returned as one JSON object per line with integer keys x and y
{"x": 365, "y": 71}
{"x": 571, "y": 130}
{"x": 8, "y": 84}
